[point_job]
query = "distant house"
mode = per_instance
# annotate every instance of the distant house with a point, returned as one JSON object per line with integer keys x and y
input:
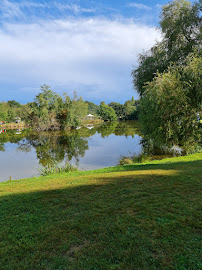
{"x": 17, "y": 120}
{"x": 90, "y": 117}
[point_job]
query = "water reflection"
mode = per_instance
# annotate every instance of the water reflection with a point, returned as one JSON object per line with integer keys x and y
{"x": 55, "y": 147}
{"x": 89, "y": 147}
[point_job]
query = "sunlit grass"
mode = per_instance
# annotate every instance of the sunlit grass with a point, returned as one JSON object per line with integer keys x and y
{"x": 144, "y": 216}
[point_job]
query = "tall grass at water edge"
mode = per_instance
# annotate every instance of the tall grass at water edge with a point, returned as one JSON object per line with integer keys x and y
{"x": 55, "y": 168}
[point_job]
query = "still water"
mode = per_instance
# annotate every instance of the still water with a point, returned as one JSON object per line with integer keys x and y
{"x": 90, "y": 147}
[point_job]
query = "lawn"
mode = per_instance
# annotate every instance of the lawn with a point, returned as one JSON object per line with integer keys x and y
{"x": 130, "y": 217}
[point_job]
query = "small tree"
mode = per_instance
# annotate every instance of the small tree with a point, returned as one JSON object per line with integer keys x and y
{"x": 106, "y": 112}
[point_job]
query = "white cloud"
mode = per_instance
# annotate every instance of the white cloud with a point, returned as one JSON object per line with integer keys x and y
{"x": 94, "y": 56}
{"x": 75, "y": 8}
{"x": 10, "y": 9}
{"x": 139, "y": 6}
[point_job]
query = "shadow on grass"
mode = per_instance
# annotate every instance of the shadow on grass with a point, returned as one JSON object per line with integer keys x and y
{"x": 130, "y": 220}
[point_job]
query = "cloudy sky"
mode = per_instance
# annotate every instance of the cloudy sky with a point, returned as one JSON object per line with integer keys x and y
{"x": 84, "y": 45}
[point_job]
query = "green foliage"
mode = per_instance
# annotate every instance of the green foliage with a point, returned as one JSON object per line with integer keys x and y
{"x": 52, "y": 112}
{"x": 131, "y": 109}
{"x": 3, "y": 112}
{"x": 127, "y": 111}
{"x": 169, "y": 78}
{"x": 55, "y": 169}
{"x": 72, "y": 111}
{"x": 127, "y": 160}
{"x": 92, "y": 108}
{"x": 180, "y": 26}
{"x": 107, "y": 113}
{"x": 13, "y": 104}
{"x": 47, "y": 106}
{"x": 9, "y": 110}
{"x": 169, "y": 107}
{"x": 149, "y": 63}
{"x": 118, "y": 108}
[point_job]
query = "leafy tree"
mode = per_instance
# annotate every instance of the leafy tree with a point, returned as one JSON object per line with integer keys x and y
{"x": 169, "y": 78}
{"x": 72, "y": 111}
{"x": 92, "y": 108}
{"x": 169, "y": 110}
{"x": 8, "y": 111}
{"x": 127, "y": 111}
{"x": 106, "y": 112}
{"x": 13, "y": 103}
{"x": 3, "y": 111}
{"x": 149, "y": 63}
{"x": 80, "y": 108}
{"x": 44, "y": 114}
{"x": 130, "y": 109}
{"x": 118, "y": 108}
{"x": 180, "y": 25}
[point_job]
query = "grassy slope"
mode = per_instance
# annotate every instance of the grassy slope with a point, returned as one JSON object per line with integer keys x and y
{"x": 127, "y": 217}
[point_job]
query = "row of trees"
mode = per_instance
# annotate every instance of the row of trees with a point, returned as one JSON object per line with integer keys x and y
{"x": 127, "y": 111}
{"x": 115, "y": 111}
{"x": 168, "y": 78}
{"x": 50, "y": 111}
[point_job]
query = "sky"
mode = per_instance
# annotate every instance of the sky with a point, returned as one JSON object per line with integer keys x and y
{"x": 83, "y": 45}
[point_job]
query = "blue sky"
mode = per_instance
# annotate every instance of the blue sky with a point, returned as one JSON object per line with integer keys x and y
{"x": 83, "y": 45}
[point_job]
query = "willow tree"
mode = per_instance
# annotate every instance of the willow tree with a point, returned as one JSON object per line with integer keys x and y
{"x": 168, "y": 78}
{"x": 180, "y": 25}
{"x": 170, "y": 109}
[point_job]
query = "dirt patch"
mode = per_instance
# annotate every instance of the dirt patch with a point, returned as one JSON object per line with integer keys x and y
{"x": 75, "y": 250}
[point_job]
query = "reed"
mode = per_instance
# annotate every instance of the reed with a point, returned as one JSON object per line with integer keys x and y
{"x": 55, "y": 169}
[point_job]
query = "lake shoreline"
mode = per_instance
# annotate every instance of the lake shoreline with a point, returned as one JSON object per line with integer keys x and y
{"x": 195, "y": 156}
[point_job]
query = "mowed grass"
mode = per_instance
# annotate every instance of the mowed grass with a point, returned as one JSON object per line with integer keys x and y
{"x": 126, "y": 217}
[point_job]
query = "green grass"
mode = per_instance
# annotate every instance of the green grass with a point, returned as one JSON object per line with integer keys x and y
{"x": 144, "y": 216}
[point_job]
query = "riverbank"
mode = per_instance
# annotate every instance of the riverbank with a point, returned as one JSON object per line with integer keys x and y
{"x": 91, "y": 122}
{"x": 14, "y": 126}
{"x": 24, "y": 126}
{"x": 143, "y": 216}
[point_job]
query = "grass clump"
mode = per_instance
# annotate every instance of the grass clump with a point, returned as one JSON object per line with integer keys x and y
{"x": 55, "y": 169}
{"x": 140, "y": 158}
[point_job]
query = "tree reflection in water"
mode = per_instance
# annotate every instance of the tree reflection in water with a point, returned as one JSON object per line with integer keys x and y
{"x": 56, "y": 147}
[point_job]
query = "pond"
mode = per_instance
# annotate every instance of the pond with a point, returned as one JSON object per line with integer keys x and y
{"x": 23, "y": 152}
